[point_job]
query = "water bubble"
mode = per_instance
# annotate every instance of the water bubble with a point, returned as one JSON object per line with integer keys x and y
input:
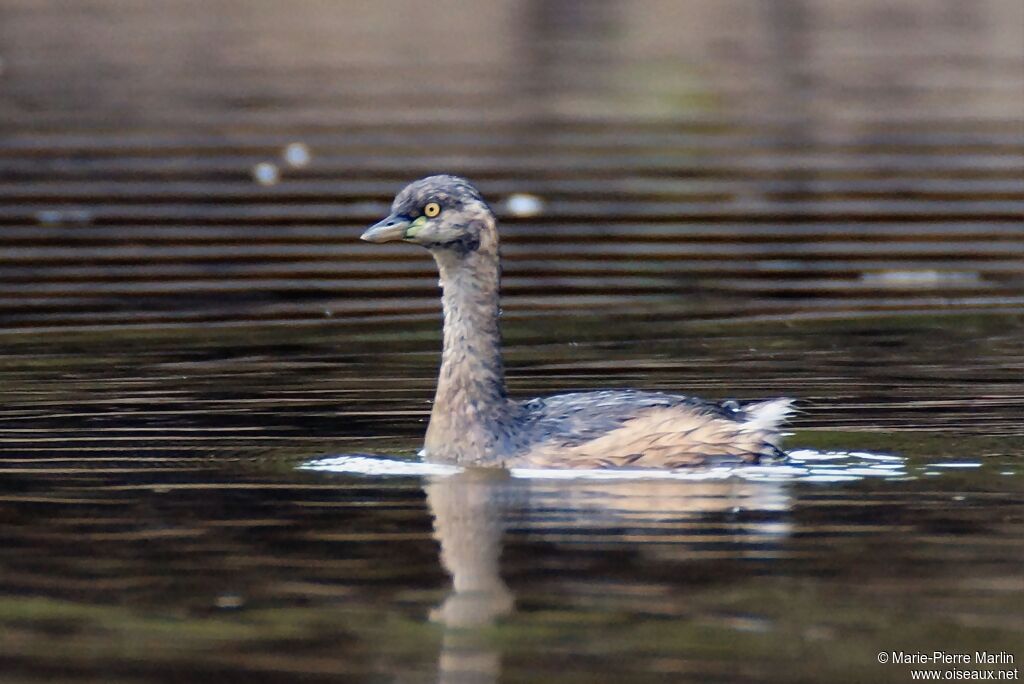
{"x": 523, "y": 205}
{"x": 296, "y": 155}
{"x": 266, "y": 173}
{"x": 229, "y": 601}
{"x": 63, "y": 217}
{"x": 742, "y": 623}
{"x": 920, "y": 278}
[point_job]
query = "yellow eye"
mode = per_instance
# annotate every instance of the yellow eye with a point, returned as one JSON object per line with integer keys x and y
{"x": 432, "y": 210}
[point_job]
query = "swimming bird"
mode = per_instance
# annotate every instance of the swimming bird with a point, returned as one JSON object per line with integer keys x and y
{"x": 474, "y": 422}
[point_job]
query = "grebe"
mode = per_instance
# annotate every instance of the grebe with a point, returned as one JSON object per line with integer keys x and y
{"x": 474, "y": 422}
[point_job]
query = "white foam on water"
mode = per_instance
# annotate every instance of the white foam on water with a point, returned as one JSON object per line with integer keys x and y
{"x": 804, "y": 465}
{"x": 367, "y": 465}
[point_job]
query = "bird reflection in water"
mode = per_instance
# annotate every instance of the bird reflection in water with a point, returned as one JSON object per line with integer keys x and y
{"x": 470, "y": 513}
{"x": 472, "y": 508}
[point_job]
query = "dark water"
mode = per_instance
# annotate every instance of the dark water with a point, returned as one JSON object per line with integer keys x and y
{"x": 156, "y": 526}
{"x": 821, "y": 200}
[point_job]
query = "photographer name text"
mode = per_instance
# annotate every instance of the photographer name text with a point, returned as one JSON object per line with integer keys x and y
{"x": 946, "y": 658}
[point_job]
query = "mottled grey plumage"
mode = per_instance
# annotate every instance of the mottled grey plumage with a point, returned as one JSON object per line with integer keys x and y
{"x": 474, "y": 422}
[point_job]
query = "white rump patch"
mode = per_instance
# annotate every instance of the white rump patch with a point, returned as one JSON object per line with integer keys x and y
{"x": 769, "y": 415}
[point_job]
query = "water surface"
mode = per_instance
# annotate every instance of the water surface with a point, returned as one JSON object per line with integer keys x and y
{"x": 162, "y": 520}
{"x": 818, "y": 199}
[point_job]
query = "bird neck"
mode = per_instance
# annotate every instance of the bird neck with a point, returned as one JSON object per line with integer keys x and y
{"x": 470, "y": 403}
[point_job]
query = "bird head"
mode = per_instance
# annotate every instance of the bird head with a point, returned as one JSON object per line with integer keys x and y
{"x": 437, "y": 212}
